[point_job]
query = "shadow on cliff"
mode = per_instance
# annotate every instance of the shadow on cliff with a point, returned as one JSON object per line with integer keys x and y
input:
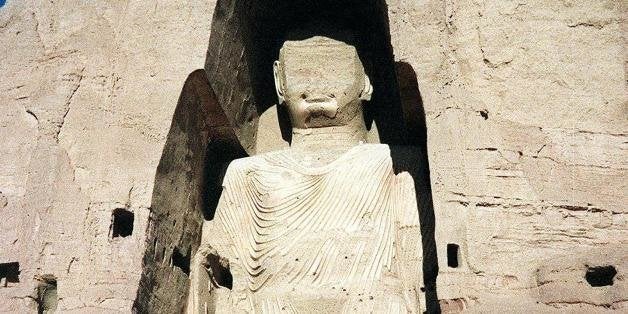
{"x": 199, "y": 145}
{"x": 412, "y": 156}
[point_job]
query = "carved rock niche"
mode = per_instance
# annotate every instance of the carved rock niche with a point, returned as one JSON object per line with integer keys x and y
{"x": 229, "y": 114}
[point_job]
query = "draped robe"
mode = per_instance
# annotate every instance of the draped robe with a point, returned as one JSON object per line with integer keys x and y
{"x": 343, "y": 237}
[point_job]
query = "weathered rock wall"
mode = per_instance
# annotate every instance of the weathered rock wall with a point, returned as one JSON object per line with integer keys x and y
{"x": 88, "y": 90}
{"x": 525, "y": 105}
{"x": 526, "y": 115}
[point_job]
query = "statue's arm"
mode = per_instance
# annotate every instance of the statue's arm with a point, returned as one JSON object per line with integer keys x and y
{"x": 409, "y": 248}
{"x": 214, "y": 264}
{"x": 209, "y": 270}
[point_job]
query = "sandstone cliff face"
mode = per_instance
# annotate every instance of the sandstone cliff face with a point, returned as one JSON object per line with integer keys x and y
{"x": 526, "y": 119}
{"x": 87, "y": 94}
{"x": 525, "y": 107}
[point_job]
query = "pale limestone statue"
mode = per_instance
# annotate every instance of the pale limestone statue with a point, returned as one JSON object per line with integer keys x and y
{"x": 324, "y": 226}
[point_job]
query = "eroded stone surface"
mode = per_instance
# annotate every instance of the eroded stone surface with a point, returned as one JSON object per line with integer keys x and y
{"x": 86, "y": 97}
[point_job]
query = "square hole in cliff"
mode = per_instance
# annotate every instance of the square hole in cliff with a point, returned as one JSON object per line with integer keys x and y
{"x": 121, "y": 223}
{"x": 600, "y": 276}
{"x": 453, "y": 251}
{"x": 9, "y": 273}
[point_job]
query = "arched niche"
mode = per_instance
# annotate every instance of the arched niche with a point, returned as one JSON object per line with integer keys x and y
{"x": 217, "y": 117}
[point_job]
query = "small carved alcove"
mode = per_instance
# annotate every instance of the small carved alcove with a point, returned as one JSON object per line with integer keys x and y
{"x": 453, "y": 254}
{"x": 600, "y": 276}
{"x": 181, "y": 260}
{"x": 121, "y": 223}
{"x": 9, "y": 273}
{"x": 47, "y": 297}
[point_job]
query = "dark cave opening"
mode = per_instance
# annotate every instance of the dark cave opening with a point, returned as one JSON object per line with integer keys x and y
{"x": 221, "y": 274}
{"x": 600, "y": 276}
{"x": 181, "y": 261}
{"x": 453, "y": 251}
{"x": 10, "y": 273}
{"x": 121, "y": 223}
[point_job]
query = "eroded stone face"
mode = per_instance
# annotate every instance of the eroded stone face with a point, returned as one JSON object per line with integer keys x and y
{"x": 322, "y": 81}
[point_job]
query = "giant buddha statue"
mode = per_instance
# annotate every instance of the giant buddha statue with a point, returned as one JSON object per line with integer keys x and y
{"x": 325, "y": 225}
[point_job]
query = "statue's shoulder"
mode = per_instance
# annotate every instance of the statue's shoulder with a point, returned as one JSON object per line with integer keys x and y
{"x": 373, "y": 148}
{"x": 242, "y": 165}
{"x": 390, "y": 149}
{"x": 374, "y": 152}
{"x": 256, "y": 162}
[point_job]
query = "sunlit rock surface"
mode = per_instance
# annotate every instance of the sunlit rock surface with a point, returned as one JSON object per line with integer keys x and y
{"x": 525, "y": 108}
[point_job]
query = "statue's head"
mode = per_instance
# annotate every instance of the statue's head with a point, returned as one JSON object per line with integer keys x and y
{"x": 321, "y": 81}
